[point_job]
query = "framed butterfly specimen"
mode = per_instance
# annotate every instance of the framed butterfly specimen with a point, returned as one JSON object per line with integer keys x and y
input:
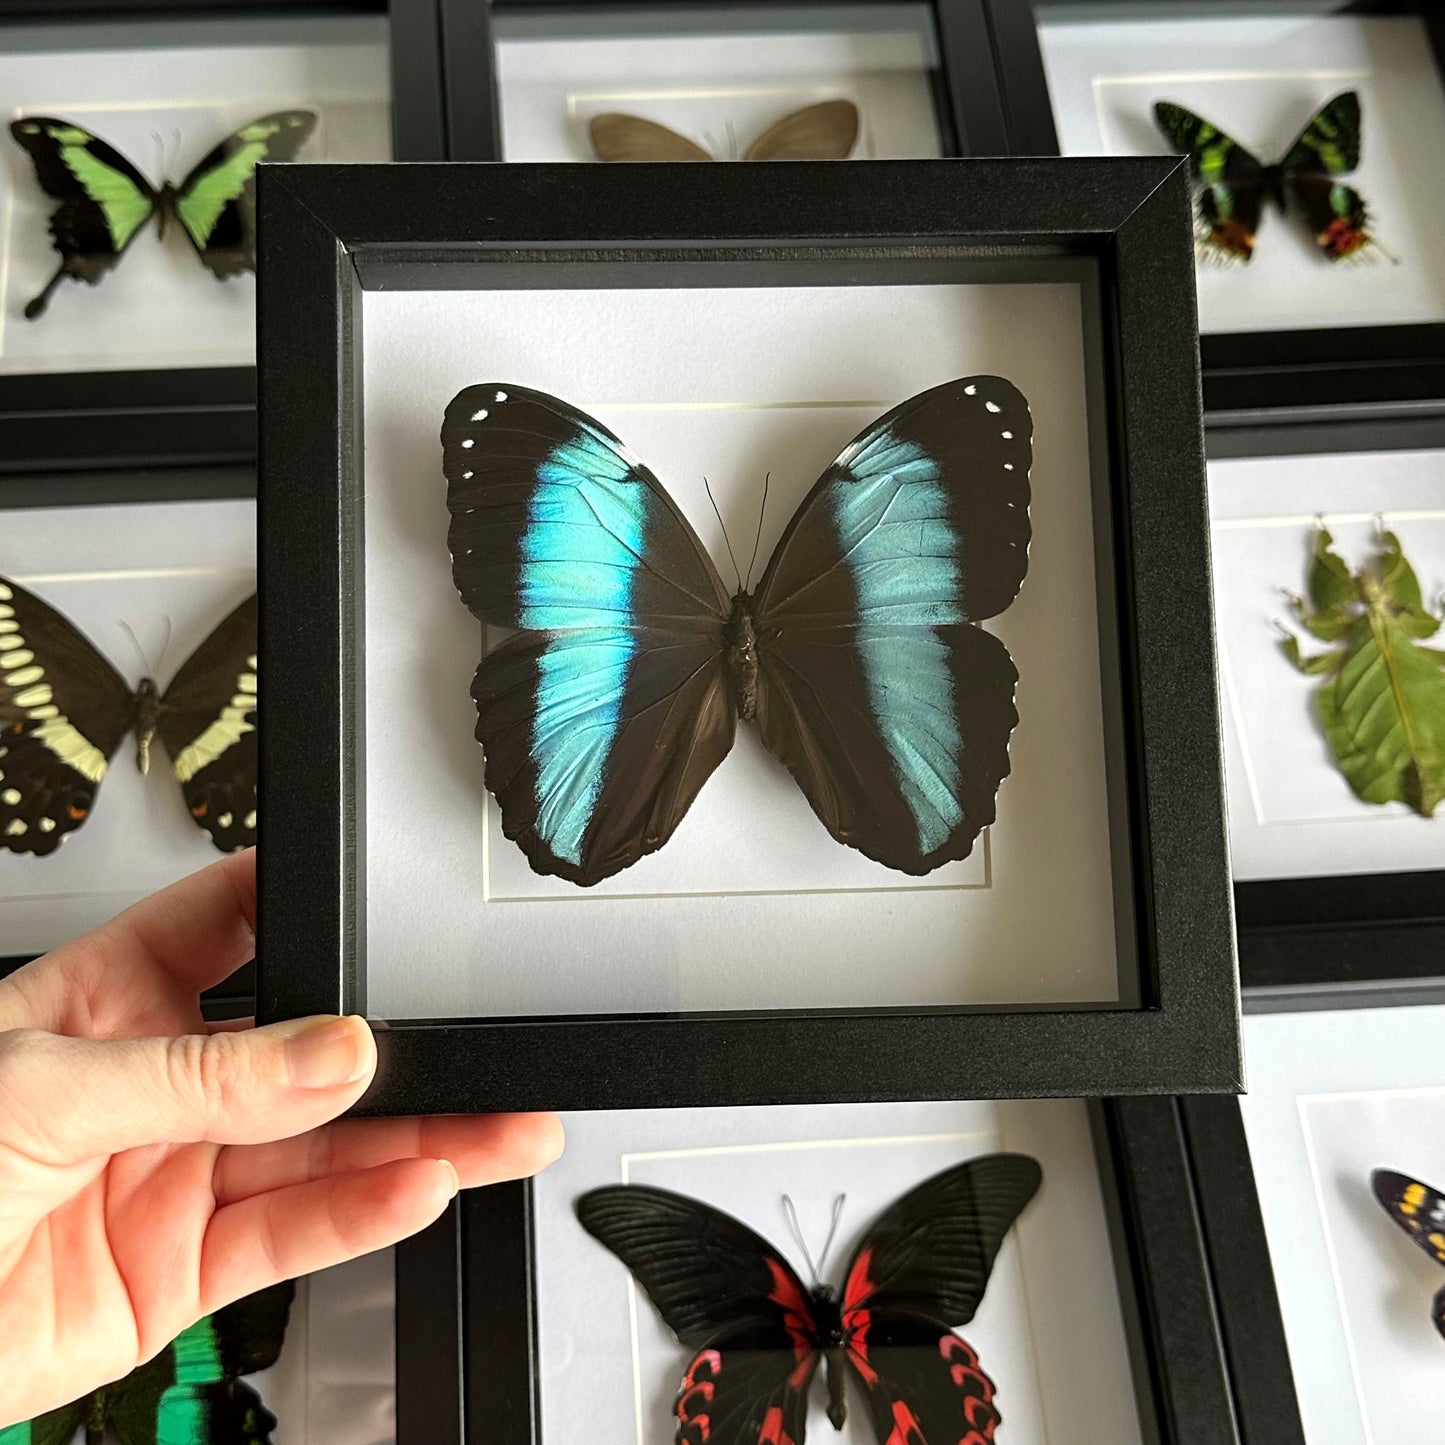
{"x": 758, "y": 1334}
{"x": 105, "y": 201}
{"x": 827, "y": 131}
{"x": 191, "y": 1392}
{"x": 64, "y": 711}
{"x": 858, "y": 655}
{"x": 1420, "y": 1211}
{"x": 1232, "y": 185}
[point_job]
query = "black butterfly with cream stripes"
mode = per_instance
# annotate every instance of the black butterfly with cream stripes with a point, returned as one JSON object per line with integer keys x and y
{"x": 64, "y": 711}
{"x": 858, "y": 655}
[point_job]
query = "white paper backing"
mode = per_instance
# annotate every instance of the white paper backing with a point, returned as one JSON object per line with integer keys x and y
{"x": 720, "y": 90}
{"x": 170, "y": 572}
{"x": 733, "y": 384}
{"x": 1049, "y": 1332}
{"x": 1332, "y": 1096}
{"x": 1261, "y": 79}
{"x": 335, "y": 1381}
{"x": 1291, "y": 812}
{"x": 164, "y": 107}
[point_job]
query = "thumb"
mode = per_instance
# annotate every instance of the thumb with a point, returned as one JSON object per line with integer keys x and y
{"x": 63, "y": 1100}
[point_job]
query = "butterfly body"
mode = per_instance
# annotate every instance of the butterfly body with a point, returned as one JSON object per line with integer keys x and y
{"x": 1232, "y": 185}
{"x": 757, "y": 1335}
{"x": 105, "y": 202}
{"x": 64, "y": 711}
{"x": 858, "y": 654}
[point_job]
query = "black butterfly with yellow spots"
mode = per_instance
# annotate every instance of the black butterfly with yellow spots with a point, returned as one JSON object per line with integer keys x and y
{"x": 1231, "y": 185}
{"x": 64, "y": 710}
{"x": 1420, "y": 1212}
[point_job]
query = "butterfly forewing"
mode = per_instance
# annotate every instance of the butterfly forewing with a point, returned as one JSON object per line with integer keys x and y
{"x": 1420, "y": 1211}
{"x": 890, "y": 706}
{"x": 827, "y": 131}
{"x": 608, "y": 712}
{"x": 617, "y": 136}
{"x": 216, "y": 202}
{"x": 207, "y": 722}
{"x": 63, "y": 712}
{"x": 55, "y": 1427}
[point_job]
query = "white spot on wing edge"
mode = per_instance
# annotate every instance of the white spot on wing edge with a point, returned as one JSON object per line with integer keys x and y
{"x": 501, "y": 396}
{"x": 970, "y": 391}
{"x": 992, "y": 406}
{"x": 468, "y": 442}
{"x": 16, "y": 828}
{"x": 480, "y": 415}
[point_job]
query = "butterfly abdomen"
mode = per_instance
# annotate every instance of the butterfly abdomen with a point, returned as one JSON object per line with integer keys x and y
{"x": 741, "y": 639}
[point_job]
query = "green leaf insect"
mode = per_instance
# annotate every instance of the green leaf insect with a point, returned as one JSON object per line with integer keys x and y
{"x": 1381, "y": 700}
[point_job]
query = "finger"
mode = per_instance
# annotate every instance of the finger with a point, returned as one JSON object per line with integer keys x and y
{"x": 68, "y": 1100}
{"x": 306, "y": 1227}
{"x": 192, "y": 934}
{"x": 483, "y": 1149}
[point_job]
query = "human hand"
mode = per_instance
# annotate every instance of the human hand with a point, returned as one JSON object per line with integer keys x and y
{"x": 154, "y": 1167}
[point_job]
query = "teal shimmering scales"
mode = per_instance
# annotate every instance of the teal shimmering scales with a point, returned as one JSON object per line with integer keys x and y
{"x": 190, "y": 1393}
{"x": 859, "y": 653}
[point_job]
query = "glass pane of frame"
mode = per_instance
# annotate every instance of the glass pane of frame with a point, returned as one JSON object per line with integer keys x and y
{"x": 1335, "y": 1095}
{"x": 162, "y": 94}
{"x": 722, "y": 79}
{"x": 1260, "y": 77}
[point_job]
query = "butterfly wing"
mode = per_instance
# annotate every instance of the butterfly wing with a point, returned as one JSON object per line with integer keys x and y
{"x": 207, "y": 722}
{"x": 103, "y": 199}
{"x": 730, "y": 1298}
{"x": 891, "y": 708}
{"x": 1420, "y": 1211}
{"x": 191, "y": 1393}
{"x": 921, "y": 1270}
{"x": 827, "y": 131}
{"x": 216, "y": 203}
{"x": 1329, "y": 147}
{"x": 617, "y": 136}
{"x": 55, "y": 1427}
{"x": 1229, "y": 183}
{"x": 63, "y": 711}
{"x": 605, "y": 714}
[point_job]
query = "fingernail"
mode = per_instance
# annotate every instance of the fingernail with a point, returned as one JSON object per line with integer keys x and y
{"x": 329, "y": 1052}
{"x": 456, "y": 1178}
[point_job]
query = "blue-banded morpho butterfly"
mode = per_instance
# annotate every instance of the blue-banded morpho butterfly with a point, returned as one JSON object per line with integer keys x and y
{"x": 189, "y": 1394}
{"x": 858, "y": 654}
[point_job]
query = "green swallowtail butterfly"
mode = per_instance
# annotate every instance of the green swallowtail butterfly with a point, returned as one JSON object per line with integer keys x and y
{"x": 189, "y": 1394}
{"x": 105, "y": 201}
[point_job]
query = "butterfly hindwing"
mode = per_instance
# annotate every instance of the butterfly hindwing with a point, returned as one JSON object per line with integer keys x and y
{"x": 63, "y": 711}
{"x": 890, "y": 706}
{"x": 606, "y": 714}
{"x": 1229, "y": 183}
{"x": 104, "y": 200}
{"x": 617, "y": 136}
{"x": 1420, "y": 1211}
{"x": 207, "y": 721}
{"x": 827, "y": 131}
{"x": 216, "y": 202}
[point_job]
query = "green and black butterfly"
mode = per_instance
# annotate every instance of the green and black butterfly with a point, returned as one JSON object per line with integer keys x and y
{"x": 189, "y": 1394}
{"x": 1231, "y": 185}
{"x": 105, "y": 201}
{"x": 64, "y": 710}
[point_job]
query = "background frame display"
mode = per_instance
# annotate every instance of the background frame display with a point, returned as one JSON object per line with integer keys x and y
{"x": 968, "y": 108}
{"x": 1379, "y": 368}
{"x": 193, "y": 416}
{"x": 330, "y": 233}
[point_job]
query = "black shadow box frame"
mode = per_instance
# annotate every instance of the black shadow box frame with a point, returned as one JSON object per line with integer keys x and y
{"x": 1364, "y": 369}
{"x": 329, "y": 234}
{"x": 1206, "y": 1344}
{"x": 201, "y": 416}
{"x": 108, "y": 488}
{"x": 1338, "y": 941}
{"x": 967, "y": 101}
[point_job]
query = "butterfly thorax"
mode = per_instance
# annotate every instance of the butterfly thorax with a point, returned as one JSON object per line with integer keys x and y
{"x": 145, "y": 711}
{"x": 165, "y": 208}
{"x": 741, "y": 638}
{"x": 1272, "y": 180}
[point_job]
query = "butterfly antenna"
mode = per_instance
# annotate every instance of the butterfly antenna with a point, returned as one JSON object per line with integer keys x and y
{"x": 838, "y": 1204}
{"x": 726, "y": 542}
{"x": 36, "y": 307}
{"x": 797, "y": 1231}
{"x": 146, "y": 669}
{"x": 757, "y": 541}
